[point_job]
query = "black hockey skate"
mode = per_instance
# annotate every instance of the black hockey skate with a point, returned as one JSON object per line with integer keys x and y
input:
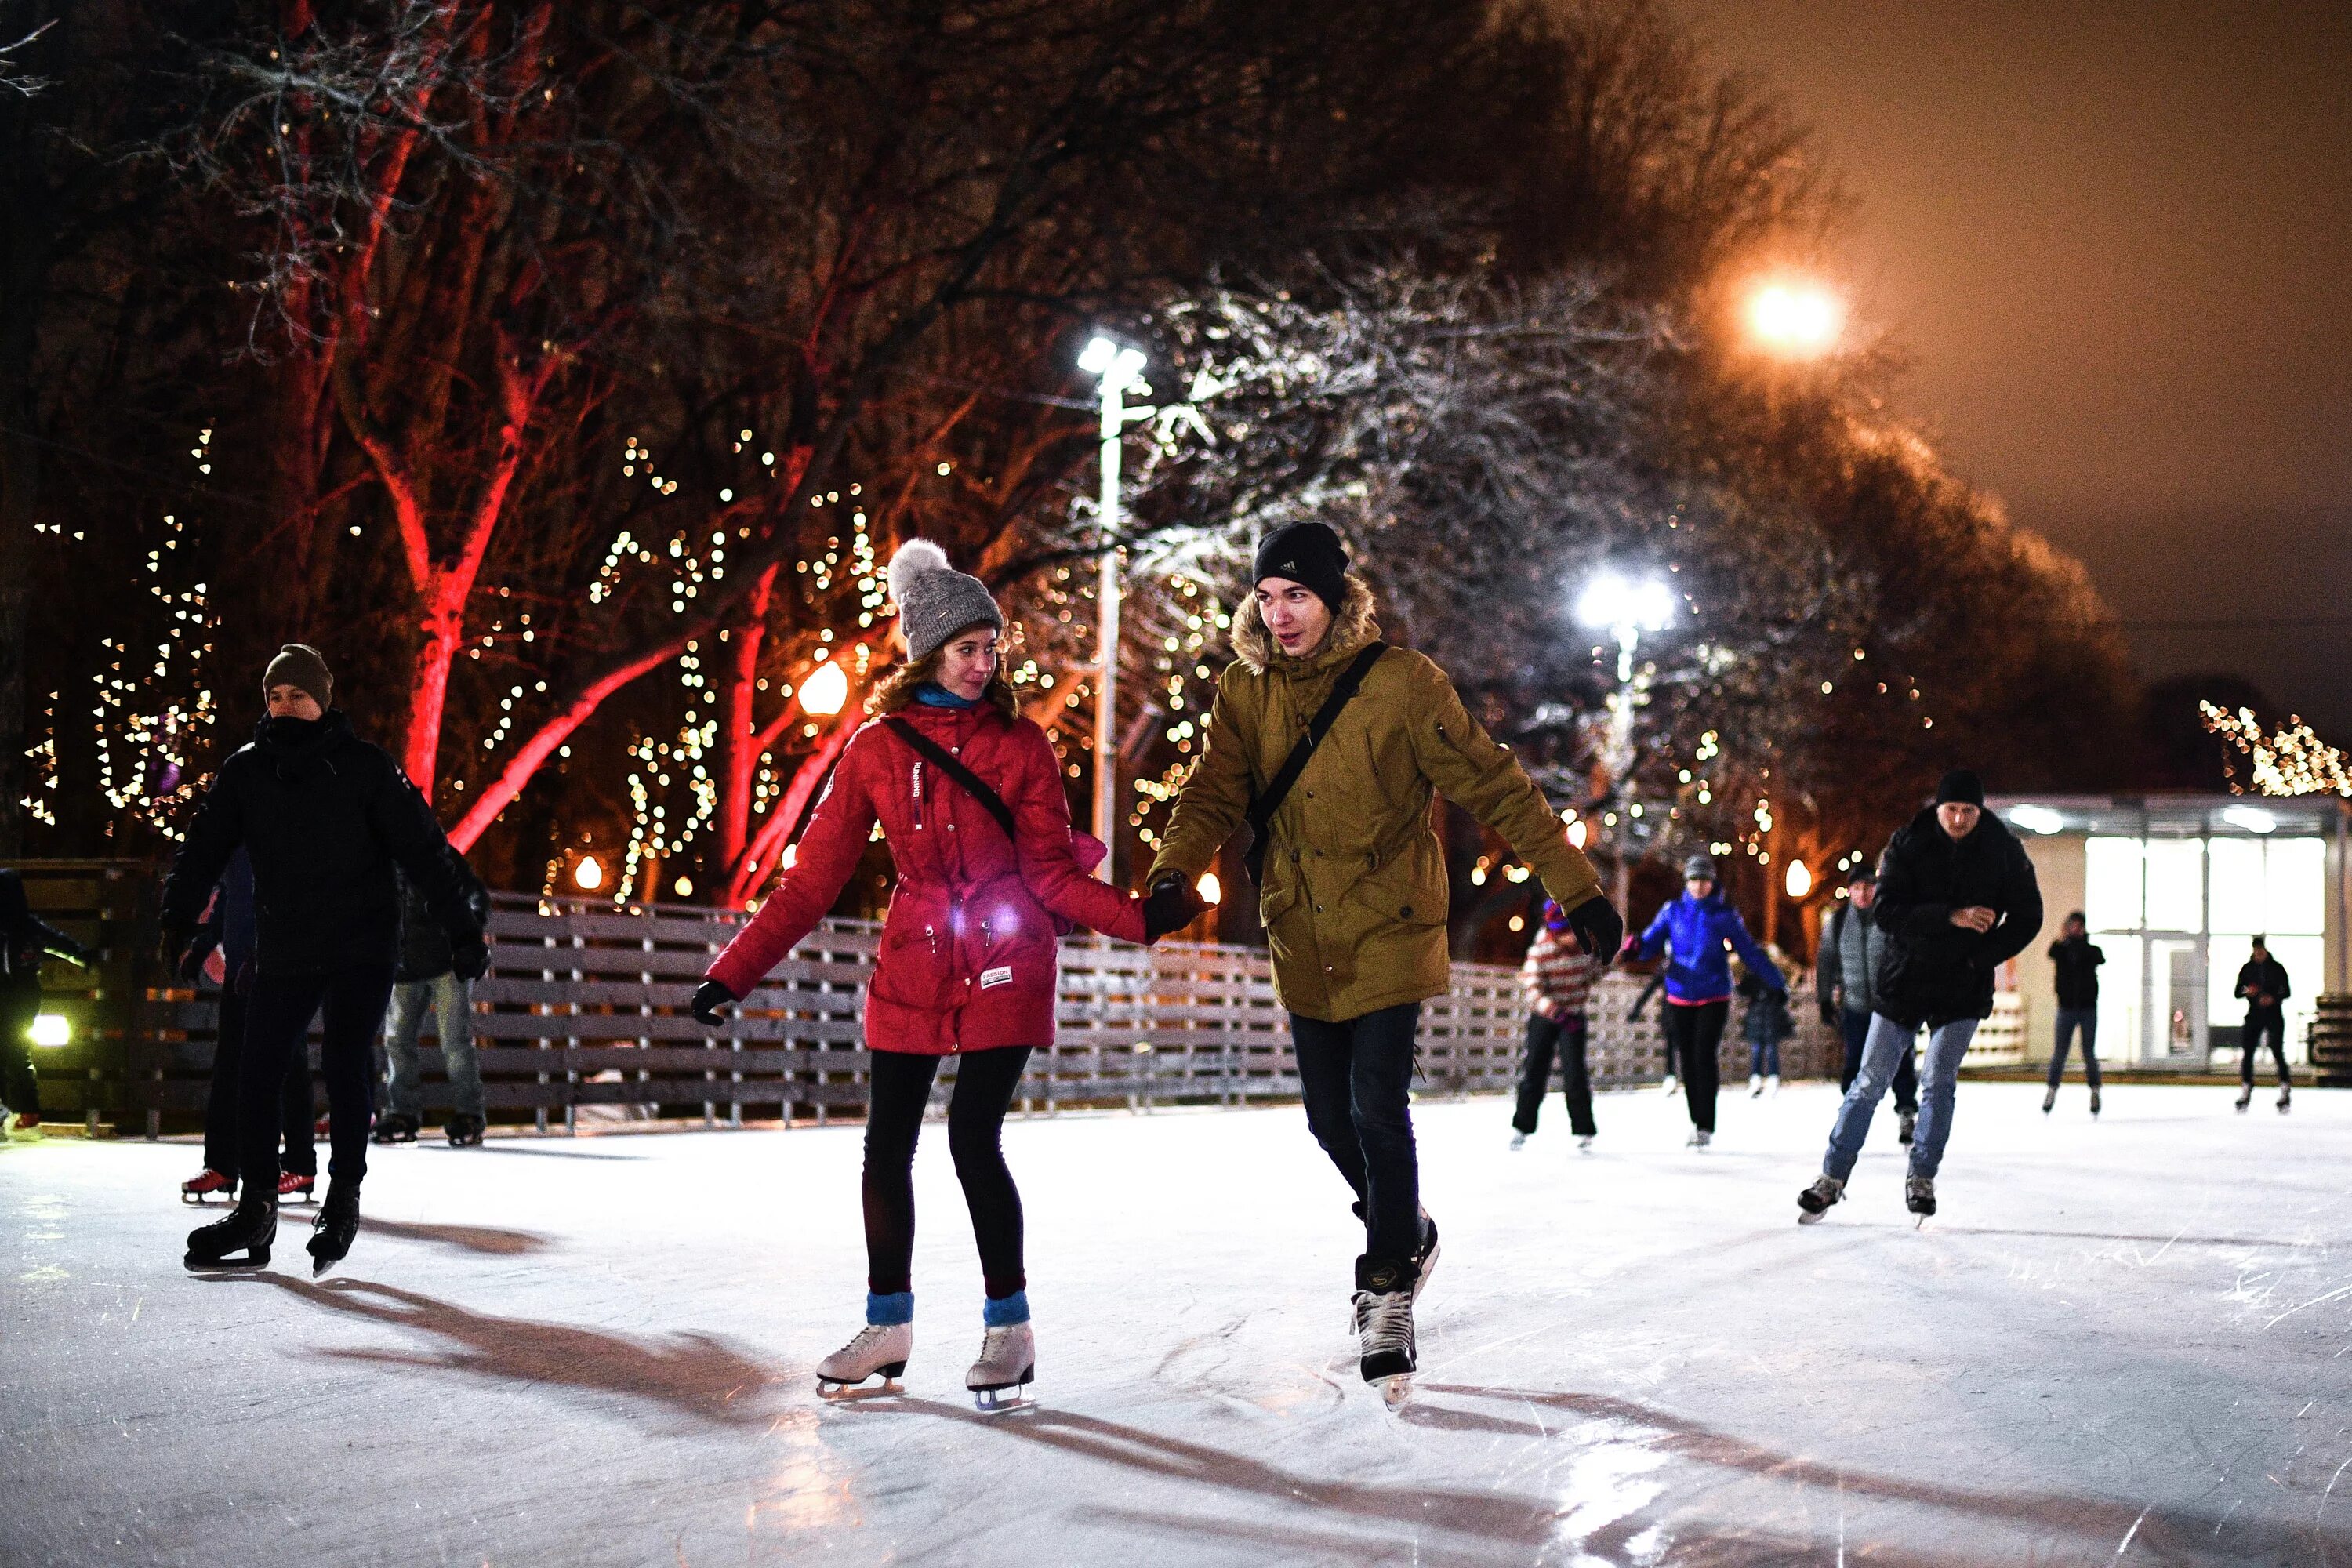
{"x": 240, "y": 1241}
{"x": 1815, "y": 1200}
{"x": 1384, "y": 1326}
{"x": 2245, "y": 1097}
{"x": 391, "y": 1126}
{"x": 1907, "y": 1126}
{"x": 1919, "y": 1196}
{"x": 466, "y": 1132}
{"x": 332, "y": 1232}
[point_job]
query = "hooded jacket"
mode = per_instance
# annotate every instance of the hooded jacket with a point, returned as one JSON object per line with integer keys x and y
{"x": 1694, "y": 932}
{"x": 970, "y": 953}
{"x": 2266, "y": 977}
{"x": 1934, "y": 971}
{"x": 324, "y": 817}
{"x": 1356, "y": 893}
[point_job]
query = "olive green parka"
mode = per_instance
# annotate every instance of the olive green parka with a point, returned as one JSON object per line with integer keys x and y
{"x": 1356, "y": 894}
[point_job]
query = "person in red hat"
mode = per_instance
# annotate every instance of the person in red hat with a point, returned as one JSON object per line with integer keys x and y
{"x": 1558, "y": 978}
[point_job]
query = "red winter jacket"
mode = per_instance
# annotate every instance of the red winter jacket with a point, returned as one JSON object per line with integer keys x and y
{"x": 968, "y": 953}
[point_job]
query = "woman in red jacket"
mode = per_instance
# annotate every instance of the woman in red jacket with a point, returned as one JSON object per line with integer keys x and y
{"x": 968, "y": 962}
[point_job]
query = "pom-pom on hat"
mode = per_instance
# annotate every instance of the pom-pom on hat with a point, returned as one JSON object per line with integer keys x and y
{"x": 936, "y": 601}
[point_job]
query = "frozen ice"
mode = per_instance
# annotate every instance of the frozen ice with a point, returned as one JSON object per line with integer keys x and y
{"x": 2121, "y": 1341}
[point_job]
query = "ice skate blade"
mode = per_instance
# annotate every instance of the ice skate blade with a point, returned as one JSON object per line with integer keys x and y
{"x": 1396, "y": 1391}
{"x": 1005, "y": 1398}
{"x": 836, "y": 1392}
{"x": 197, "y": 1263}
{"x": 1805, "y": 1218}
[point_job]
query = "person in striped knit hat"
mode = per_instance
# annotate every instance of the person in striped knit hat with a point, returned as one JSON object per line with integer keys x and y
{"x": 1558, "y": 978}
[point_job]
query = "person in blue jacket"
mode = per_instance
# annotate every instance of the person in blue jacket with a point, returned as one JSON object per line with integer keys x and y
{"x": 1698, "y": 932}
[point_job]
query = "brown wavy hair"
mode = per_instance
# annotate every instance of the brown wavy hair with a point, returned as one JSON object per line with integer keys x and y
{"x": 897, "y": 688}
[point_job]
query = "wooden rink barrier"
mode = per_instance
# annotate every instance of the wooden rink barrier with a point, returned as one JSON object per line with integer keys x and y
{"x": 583, "y": 1020}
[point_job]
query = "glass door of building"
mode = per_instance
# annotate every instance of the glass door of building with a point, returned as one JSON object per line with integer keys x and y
{"x": 2174, "y": 971}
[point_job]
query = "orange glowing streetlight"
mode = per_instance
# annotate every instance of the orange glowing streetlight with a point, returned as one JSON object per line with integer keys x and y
{"x": 1795, "y": 319}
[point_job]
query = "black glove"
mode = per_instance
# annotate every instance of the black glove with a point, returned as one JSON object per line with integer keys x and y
{"x": 1599, "y": 926}
{"x": 1170, "y": 906}
{"x": 191, "y": 958}
{"x": 470, "y": 961}
{"x": 708, "y": 997}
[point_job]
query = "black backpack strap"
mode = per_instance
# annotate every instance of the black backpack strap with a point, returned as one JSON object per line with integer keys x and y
{"x": 1263, "y": 805}
{"x": 945, "y": 761}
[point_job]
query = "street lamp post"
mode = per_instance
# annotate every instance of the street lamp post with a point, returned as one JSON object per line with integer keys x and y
{"x": 1625, "y": 609}
{"x": 1117, "y": 369}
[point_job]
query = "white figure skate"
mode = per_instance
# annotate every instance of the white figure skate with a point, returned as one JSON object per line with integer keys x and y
{"x": 878, "y": 1349}
{"x": 1000, "y": 1379}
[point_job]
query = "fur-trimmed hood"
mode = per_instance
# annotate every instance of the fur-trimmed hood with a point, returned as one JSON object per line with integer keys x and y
{"x": 1352, "y": 628}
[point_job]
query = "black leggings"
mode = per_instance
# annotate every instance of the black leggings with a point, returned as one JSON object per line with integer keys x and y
{"x": 985, "y": 1084}
{"x": 1546, "y": 1037}
{"x": 20, "y": 1085}
{"x": 1695, "y": 1032}
{"x": 222, "y": 1102}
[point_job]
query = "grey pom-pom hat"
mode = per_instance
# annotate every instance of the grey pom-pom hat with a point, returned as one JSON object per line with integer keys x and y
{"x": 936, "y": 601}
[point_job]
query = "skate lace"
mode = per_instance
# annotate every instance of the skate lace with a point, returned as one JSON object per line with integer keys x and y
{"x": 1387, "y": 1321}
{"x": 996, "y": 1345}
{"x": 865, "y": 1338}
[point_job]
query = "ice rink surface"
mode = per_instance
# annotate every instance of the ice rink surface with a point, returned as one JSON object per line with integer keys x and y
{"x": 2122, "y": 1342}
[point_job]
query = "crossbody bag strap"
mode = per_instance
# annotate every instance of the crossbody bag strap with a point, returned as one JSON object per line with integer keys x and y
{"x": 1263, "y": 805}
{"x": 947, "y": 762}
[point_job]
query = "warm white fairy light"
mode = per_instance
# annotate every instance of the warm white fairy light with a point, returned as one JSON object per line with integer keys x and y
{"x": 2288, "y": 759}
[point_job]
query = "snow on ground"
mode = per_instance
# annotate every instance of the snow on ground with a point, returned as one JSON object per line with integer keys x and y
{"x": 2122, "y": 1342}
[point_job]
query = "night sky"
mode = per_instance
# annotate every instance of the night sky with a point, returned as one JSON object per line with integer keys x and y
{"x": 2117, "y": 239}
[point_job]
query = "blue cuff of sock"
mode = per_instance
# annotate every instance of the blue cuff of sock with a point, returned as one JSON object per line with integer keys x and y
{"x": 1004, "y": 1311}
{"x": 898, "y": 1306}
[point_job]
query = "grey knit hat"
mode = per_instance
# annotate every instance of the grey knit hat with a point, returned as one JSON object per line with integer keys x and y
{"x": 935, "y": 600}
{"x": 300, "y": 665}
{"x": 1699, "y": 868}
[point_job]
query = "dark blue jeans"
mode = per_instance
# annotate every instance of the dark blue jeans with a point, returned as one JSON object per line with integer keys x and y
{"x": 1356, "y": 1077}
{"x": 2070, "y": 1020}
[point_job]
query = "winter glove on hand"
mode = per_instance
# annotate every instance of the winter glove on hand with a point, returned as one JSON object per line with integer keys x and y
{"x": 708, "y": 997}
{"x": 470, "y": 961}
{"x": 1170, "y": 907}
{"x": 191, "y": 958}
{"x": 1599, "y": 926}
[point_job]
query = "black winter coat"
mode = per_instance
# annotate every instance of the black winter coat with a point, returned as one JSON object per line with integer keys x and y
{"x": 2266, "y": 977}
{"x": 25, "y": 937}
{"x": 1934, "y": 971}
{"x": 424, "y": 950}
{"x": 324, "y": 816}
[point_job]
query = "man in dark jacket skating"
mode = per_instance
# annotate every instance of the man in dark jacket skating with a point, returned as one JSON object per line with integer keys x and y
{"x": 426, "y": 981}
{"x": 2263, "y": 983}
{"x": 1957, "y": 898}
{"x": 324, "y": 817}
{"x": 24, "y": 940}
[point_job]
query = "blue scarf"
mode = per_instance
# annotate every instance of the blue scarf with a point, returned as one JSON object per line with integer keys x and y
{"x": 930, "y": 694}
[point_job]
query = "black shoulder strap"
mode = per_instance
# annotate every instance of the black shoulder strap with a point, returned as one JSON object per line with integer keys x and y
{"x": 1263, "y": 805}
{"x": 945, "y": 761}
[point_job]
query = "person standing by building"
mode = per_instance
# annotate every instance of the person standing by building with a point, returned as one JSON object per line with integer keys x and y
{"x": 325, "y": 818}
{"x": 1699, "y": 930}
{"x": 968, "y": 796}
{"x": 2261, "y": 981}
{"x": 2077, "y": 961}
{"x": 1334, "y": 747}
{"x": 1845, "y": 984}
{"x": 230, "y": 929}
{"x": 1957, "y": 898}
{"x": 426, "y": 981}
{"x": 24, "y": 940}
{"x": 1556, "y": 979}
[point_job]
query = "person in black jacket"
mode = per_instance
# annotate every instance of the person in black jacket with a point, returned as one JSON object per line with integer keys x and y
{"x": 426, "y": 980}
{"x": 24, "y": 937}
{"x": 324, "y": 817}
{"x": 1957, "y": 898}
{"x": 2261, "y": 981}
{"x": 230, "y": 928}
{"x": 2078, "y": 962}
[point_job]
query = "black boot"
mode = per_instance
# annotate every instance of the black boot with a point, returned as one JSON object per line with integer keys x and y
{"x": 1384, "y": 1291}
{"x": 331, "y": 1232}
{"x": 465, "y": 1131}
{"x": 249, "y": 1231}
{"x": 391, "y": 1126}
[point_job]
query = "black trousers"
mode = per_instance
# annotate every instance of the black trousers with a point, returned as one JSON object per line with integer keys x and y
{"x": 901, "y": 1088}
{"x": 223, "y": 1103}
{"x": 1356, "y": 1077}
{"x": 350, "y": 1005}
{"x": 2263, "y": 1022}
{"x": 20, "y": 1085}
{"x": 1545, "y": 1037}
{"x": 1856, "y": 1028}
{"x": 1697, "y": 1032}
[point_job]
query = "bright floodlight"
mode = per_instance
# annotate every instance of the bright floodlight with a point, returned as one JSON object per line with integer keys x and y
{"x": 825, "y": 691}
{"x": 1800, "y": 320}
{"x": 1212, "y": 891}
{"x": 1114, "y": 363}
{"x": 1608, "y": 603}
{"x": 2252, "y": 818}
{"x": 50, "y": 1030}
{"x": 1800, "y": 880}
{"x": 589, "y": 875}
{"x": 2037, "y": 819}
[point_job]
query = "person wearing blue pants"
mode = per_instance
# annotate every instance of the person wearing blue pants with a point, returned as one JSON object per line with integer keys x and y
{"x": 1957, "y": 898}
{"x": 2077, "y": 961}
